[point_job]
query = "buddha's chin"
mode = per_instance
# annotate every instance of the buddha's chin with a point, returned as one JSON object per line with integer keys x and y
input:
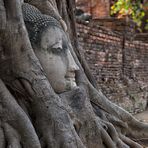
{"x": 63, "y": 86}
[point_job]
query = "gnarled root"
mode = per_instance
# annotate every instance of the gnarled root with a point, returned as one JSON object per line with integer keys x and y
{"x": 55, "y": 128}
{"x": 16, "y": 127}
{"x": 123, "y": 123}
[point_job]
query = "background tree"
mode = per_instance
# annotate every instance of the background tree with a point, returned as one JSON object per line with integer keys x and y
{"x": 32, "y": 115}
{"x": 136, "y": 10}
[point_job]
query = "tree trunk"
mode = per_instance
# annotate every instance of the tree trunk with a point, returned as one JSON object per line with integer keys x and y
{"x": 32, "y": 115}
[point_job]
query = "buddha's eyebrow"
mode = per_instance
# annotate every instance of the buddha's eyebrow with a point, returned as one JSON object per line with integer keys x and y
{"x": 51, "y": 46}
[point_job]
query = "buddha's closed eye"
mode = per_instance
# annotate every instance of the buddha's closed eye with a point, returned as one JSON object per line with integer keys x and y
{"x": 57, "y": 51}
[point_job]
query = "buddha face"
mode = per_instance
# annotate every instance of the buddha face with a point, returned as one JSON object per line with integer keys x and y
{"x": 56, "y": 59}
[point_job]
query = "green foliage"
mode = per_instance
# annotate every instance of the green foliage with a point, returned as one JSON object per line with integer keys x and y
{"x": 132, "y": 8}
{"x": 146, "y": 26}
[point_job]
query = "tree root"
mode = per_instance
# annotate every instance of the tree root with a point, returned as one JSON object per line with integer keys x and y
{"x": 12, "y": 137}
{"x": 108, "y": 135}
{"x": 15, "y": 122}
{"x": 130, "y": 142}
{"x": 2, "y": 137}
{"x": 121, "y": 119}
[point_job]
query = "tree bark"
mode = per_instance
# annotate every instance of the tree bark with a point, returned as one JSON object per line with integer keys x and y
{"x": 32, "y": 115}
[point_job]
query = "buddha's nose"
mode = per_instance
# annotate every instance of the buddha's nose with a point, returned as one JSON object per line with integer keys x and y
{"x": 72, "y": 66}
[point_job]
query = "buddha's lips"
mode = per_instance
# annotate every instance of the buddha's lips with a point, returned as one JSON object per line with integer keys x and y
{"x": 70, "y": 75}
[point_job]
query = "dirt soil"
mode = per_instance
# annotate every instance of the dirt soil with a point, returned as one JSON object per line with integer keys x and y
{"x": 143, "y": 116}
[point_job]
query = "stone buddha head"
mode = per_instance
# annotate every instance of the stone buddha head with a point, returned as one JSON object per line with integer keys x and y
{"x": 56, "y": 59}
{"x": 51, "y": 46}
